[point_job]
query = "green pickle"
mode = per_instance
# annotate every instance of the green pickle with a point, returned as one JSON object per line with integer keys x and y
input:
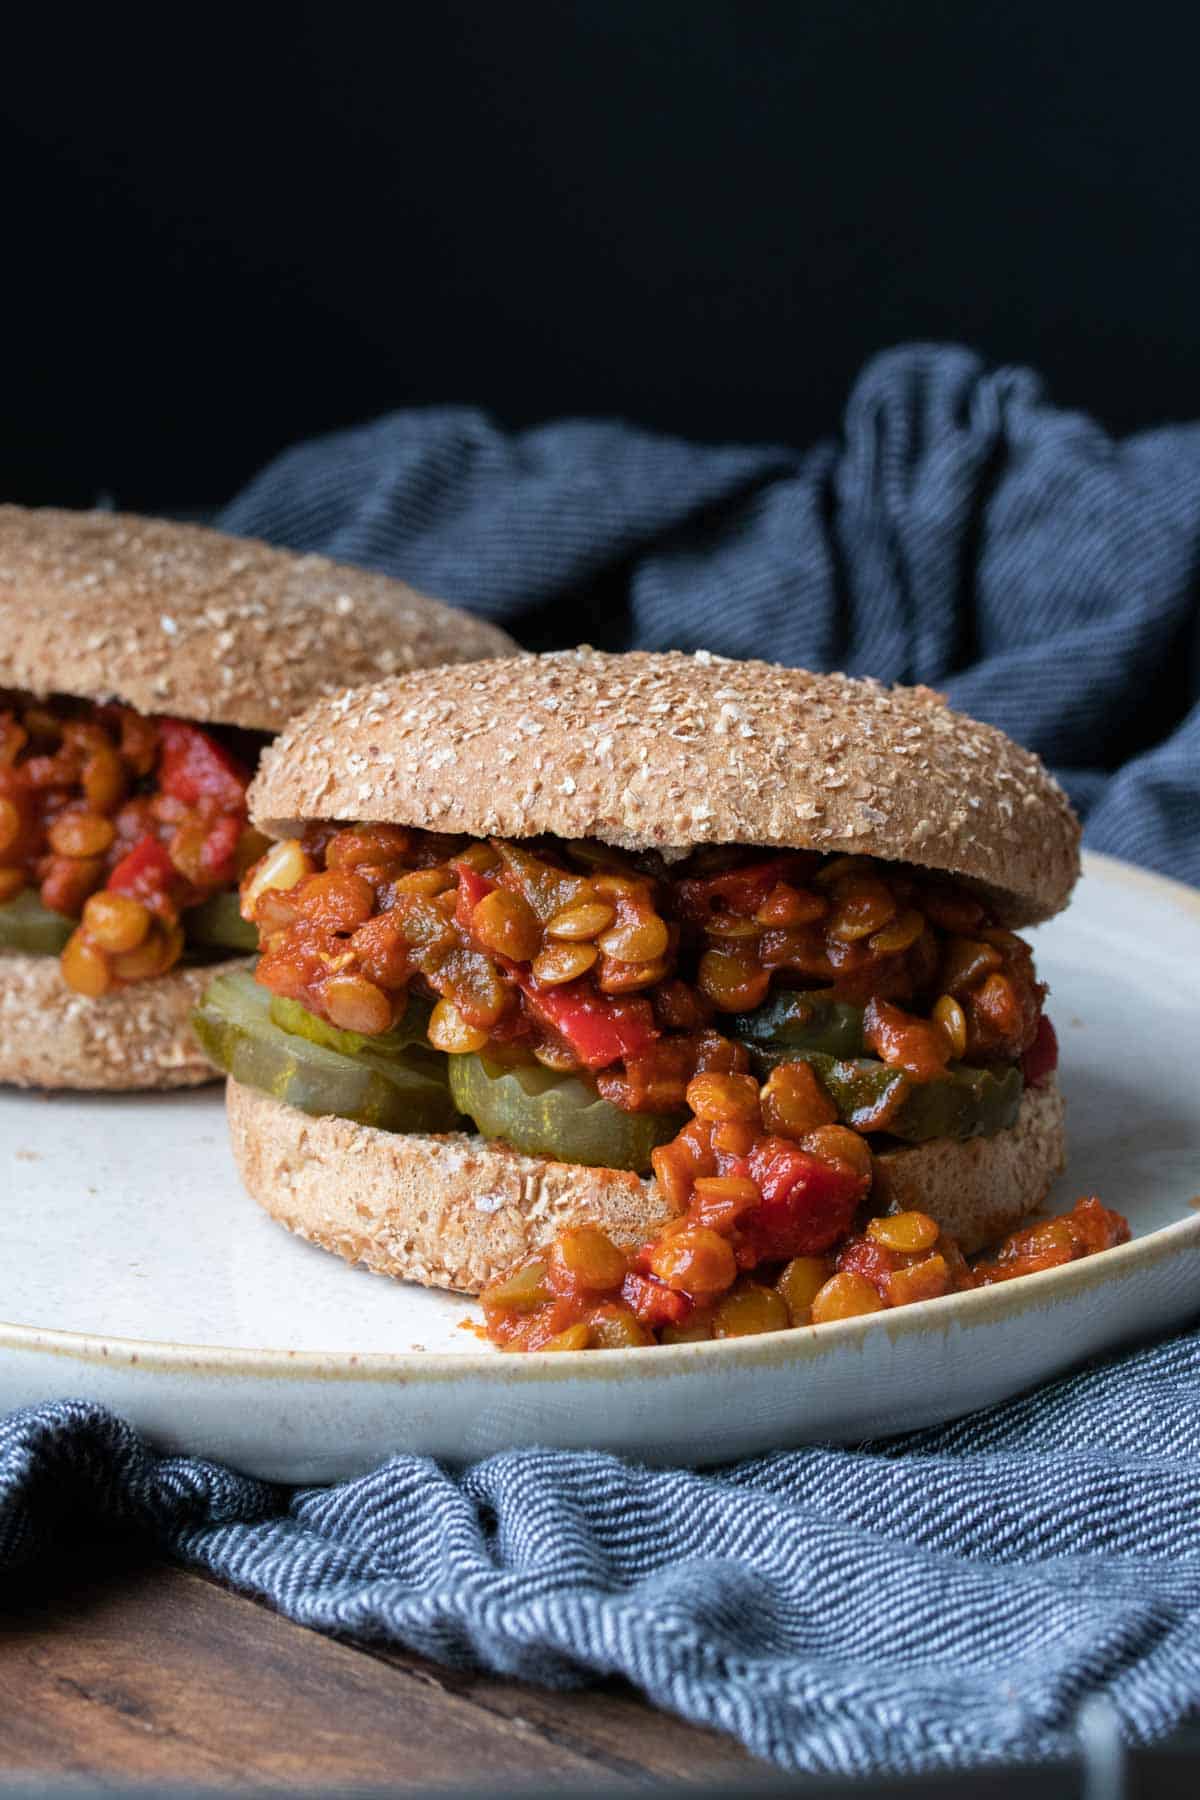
{"x": 408, "y": 1034}
{"x": 561, "y": 1116}
{"x": 217, "y": 924}
{"x": 397, "y": 1082}
{"x": 870, "y": 1096}
{"x": 25, "y": 924}
{"x": 234, "y": 1025}
{"x": 964, "y": 1103}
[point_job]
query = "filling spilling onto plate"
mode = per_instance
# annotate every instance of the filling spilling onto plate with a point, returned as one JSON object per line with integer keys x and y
{"x": 707, "y": 1276}
{"x": 752, "y": 1027}
{"x": 122, "y": 838}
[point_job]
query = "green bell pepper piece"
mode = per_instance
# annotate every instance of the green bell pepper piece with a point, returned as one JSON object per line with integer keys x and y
{"x": 794, "y": 1022}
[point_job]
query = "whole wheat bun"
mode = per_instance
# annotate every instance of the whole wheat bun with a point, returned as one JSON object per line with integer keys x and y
{"x": 981, "y": 1189}
{"x": 455, "y": 1211}
{"x": 177, "y": 618}
{"x": 667, "y": 751}
{"x": 136, "y": 1037}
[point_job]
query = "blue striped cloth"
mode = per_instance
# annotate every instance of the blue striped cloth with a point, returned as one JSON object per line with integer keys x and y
{"x": 961, "y": 532}
{"x": 948, "y": 1599}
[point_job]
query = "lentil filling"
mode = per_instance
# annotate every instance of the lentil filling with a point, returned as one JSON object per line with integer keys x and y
{"x": 114, "y": 829}
{"x": 769, "y": 1017}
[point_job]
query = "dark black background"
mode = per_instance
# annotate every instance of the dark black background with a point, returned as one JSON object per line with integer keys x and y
{"x": 226, "y": 229}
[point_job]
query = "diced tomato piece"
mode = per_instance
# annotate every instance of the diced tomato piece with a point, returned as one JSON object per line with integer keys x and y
{"x": 146, "y": 873}
{"x": 600, "y": 1031}
{"x": 1088, "y": 1228}
{"x": 194, "y": 767}
{"x": 1096, "y": 1227}
{"x": 472, "y": 888}
{"x": 918, "y": 1046}
{"x": 641, "y": 1259}
{"x": 870, "y": 1260}
{"x": 654, "y": 1303}
{"x": 219, "y": 852}
{"x": 807, "y": 1204}
{"x": 1041, "y": 1058}
{"x": 737, "y": 891}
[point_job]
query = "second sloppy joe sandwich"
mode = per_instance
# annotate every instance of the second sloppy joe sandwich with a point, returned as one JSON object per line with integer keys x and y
{"x": 654, "y": 996}
{"x": 143, "y": 664}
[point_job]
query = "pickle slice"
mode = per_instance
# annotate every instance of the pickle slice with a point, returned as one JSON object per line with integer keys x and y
{"x": 25, "y": 924}
{"x": 217, "y": 924}
{"x": 828, "y": 1033}
{"x": 561, "y": 1116}
{"x": 964, "y": 1103}
{"x": 234, "y": 1025}
{"x": 408, "y": 1034}
{"x": 801, "y": 1021}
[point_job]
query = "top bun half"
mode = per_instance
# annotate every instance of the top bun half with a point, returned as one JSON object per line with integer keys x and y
{"x": 180, "y": 619}
{"x": 666, "y": 752}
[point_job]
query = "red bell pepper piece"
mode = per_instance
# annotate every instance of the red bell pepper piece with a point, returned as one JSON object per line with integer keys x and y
{"x": 194, "y": 767}
{"x": 654, "y": 1303}
{"x": 145, "y": 873}
{"x": 1041, "y": 1058}
{"x": 600, "y": 1031}
{"x": 807, "y": 1204}
{"x": 472, "y": 888}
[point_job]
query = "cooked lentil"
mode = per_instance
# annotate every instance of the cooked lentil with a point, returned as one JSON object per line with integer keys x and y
{"x": 622, "y": 969}
{"x": 122, "y": 822}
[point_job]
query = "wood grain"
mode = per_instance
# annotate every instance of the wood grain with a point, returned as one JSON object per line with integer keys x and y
{"x": 609, "y": 1724}
{"x": 152, "y": 1673}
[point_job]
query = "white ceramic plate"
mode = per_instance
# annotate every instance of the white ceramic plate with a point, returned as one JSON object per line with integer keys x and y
{"x": 135, "y": 1271}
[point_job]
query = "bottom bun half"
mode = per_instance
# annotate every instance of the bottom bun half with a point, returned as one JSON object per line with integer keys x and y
{"x": 136, "y": 1037}
{"x": 455, "y": 1211}
{"x": 980, "y": 1190}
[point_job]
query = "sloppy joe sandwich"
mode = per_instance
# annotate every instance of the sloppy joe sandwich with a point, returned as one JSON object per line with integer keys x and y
{"x": 652, "y": 996}
{"x": 142, "y": 667}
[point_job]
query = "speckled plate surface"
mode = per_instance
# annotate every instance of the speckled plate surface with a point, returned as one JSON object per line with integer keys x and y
{"x": 134, "y": 1271}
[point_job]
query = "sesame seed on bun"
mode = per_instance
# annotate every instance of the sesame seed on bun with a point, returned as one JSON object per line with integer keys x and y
{"x": 668, "y": 751}
{"x": 181, "y": 619}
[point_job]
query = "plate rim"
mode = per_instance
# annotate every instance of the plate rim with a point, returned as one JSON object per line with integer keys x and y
{"x": 962, "y": 1311}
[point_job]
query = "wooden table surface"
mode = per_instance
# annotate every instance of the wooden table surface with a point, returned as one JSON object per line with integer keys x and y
{"x": 151, "y": 1673}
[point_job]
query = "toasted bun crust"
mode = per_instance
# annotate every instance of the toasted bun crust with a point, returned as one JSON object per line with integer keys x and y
{"x": 138, "y": 1037}
{"x": 450, "y": 1211}
{"x": 980, "y": 1190}
{"x": 176, "y": 618}
{"x": 455, "y": 1212}
{"x": 650, "y": 751}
